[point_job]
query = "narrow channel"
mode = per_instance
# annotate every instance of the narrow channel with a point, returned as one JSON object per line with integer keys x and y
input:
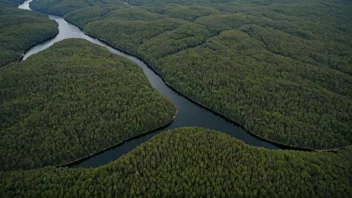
{"x": 189, "y": 114}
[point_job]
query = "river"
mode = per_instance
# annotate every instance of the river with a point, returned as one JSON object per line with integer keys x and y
{"x": 189, "y": 114}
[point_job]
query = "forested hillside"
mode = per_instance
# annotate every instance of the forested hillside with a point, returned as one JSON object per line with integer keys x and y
{"x": 72, "y": 100}
{"x": 282, "y": 69}
{"x": 19, "y": 29}
{"x": 10, "y": 3}
{"x": 193, "y": 162}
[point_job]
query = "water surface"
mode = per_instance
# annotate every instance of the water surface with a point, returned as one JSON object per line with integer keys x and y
{"x": 188, "y": 115}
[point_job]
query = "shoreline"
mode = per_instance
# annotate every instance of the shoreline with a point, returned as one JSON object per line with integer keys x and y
{"x": 77, "y": 161}
{"x": 280, "y": 145}
{"x": 39, "y": 42}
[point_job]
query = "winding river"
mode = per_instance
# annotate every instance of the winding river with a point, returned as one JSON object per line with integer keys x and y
{"x": 188, "y": 113}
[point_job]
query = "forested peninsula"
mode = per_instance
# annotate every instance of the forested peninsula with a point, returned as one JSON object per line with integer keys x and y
{"x": 193, "y": 162}
{"x": 72, "y": 100}
{"x": 20, "y": 29}
{"x": 280, "y": 69}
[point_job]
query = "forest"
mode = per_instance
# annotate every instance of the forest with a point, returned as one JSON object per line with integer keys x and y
{"x": 20, "y": 29}
{"x": 72, "y": 100}
{"x": 193, "y": 162}
{"x": 281, "y": 69}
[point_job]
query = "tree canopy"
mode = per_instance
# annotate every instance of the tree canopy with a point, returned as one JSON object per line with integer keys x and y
{"x": 282, "y": 70}
{"x": 193, "y": 162}
{"x": 20, "y": 29}
{"x": 72, "y": 100}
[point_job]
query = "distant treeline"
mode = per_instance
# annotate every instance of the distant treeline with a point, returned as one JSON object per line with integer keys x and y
{"x": 282, "y": 70}
{"x": 72, "y": 100}
{"x": 193, "y": 162}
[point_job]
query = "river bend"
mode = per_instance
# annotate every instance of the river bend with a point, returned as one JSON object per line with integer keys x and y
{"x": 189, "y": 114}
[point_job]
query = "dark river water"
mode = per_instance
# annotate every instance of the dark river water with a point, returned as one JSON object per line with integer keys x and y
{"x": 188, "y": 113}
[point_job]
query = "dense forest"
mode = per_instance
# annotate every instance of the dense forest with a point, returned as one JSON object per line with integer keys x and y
{"x": 281, "y": 69}
{"x": 193, "y": 162}
{"x": 20, "y": 29}
{"x": 10, "y": 3}
{"x": 71, "y": 100}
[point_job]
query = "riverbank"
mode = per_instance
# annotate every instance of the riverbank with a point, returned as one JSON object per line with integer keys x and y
{"x": 154, "y": 168}
{"x": 37, "y": 43}
{"x": 40, "y": 42}
{"x": 280, "y": 145}
{"x": 77, "y": 161}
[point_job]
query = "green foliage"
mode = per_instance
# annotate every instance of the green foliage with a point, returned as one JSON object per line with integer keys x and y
{"x": 83, "y": 16}
{"x": 70, "y": 101}
{"x": 188, "y": 13}
{"x": 188, "y": 35}
{"x": 63, "y": 7}
{"x": 59, "y": 7}
{"x": 10, "y": 3}
{"x": 128, "y": 35}
{"x": 282, "y": 70}
{"x": 221, "y": 22}
{"x": 20, "y": 29}
{"x": 275, "y": 97}
{"x": 193, "y": 162}
{"x": 134, "y": 13}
